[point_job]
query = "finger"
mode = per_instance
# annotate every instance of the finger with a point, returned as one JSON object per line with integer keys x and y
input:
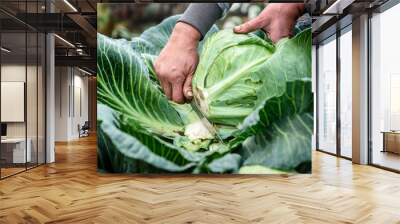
{"x": 166, "y": 86}
{"x": 177, "y": 92}
{"x": 249, "y": 26}
{"x": 187, "y": 88}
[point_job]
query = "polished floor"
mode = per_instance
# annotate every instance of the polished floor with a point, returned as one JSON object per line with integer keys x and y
{"x": 387, "y": 159}
{"x": 71, "y": 191}
{"x": 5, "y": 172}
{"x": 8, "y": 171}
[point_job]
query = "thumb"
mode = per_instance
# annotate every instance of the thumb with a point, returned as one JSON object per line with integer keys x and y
{"x": 187, "y": 87}
{"x": 249, "y": 26}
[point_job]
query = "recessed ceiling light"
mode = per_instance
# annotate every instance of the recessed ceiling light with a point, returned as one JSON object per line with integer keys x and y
{"x": 70, "y": 5}
{"x": 84, "y": 71}
{"x": 5, "y": 50}
{"x": 337, "y": 7}
{"x": 64, "y": 40}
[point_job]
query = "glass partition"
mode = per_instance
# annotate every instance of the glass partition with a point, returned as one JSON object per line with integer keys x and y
{"x": 32, "y": 97}
{"x": 385, "y": 89}
{"x": 346, "y": 92}
{"x": 327, "y": 95}
{"x": 41, "y": 97}
{"x": 22, "y": 101}
{"x": 14, "y": 145}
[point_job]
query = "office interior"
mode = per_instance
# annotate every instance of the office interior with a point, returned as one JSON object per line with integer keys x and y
{"x": 355, "y": 67}
{"x": 48, "y": 77}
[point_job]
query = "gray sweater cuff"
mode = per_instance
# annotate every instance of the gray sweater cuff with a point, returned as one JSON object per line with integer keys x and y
{"x": 201, "y": 16}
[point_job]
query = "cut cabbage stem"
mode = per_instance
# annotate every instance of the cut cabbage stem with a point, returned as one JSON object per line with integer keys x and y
{"x": 201, "y": 100}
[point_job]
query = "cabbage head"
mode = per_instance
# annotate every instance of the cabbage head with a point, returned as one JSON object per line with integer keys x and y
{"x": 257, "y": 94}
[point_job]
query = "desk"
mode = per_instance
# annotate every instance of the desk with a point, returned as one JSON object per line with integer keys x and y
{"x": 391, "y": 141}
{"x": 16, "y": 147}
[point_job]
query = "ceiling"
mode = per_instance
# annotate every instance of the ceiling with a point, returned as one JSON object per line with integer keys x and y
{"x": 74, "y": 22}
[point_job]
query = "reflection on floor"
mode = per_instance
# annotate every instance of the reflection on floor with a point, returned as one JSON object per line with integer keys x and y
{"x": 387, "y": 159}
{"x": 8, "y": 170}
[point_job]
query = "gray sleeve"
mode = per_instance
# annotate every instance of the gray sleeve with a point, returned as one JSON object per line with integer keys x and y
{"x": 310, "y": 6}
{"x": 203, "y": 15}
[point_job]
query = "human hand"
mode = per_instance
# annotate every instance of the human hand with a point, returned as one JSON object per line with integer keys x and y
{"x": 177, "y": 63}
{"x": 277, "y": 20}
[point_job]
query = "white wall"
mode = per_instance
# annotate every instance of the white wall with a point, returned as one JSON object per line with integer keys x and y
{"x": 81, "y": 84}
{"x": 62, "y": 81}
{"x": 16, "y": 73}
{"x": 33, "y": 127}
{"x": 71, "y": 94}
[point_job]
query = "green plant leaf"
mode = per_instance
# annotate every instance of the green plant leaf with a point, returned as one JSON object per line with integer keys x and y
{"x": 227, "y": 163}
{"x": 250, "y": 88}
{"x": 285, "y": 145}
{"x": 124, "y": 85}
{"x": 239, "y": 73}
{"x": 132, "y": 149}
{"x": 297, "y": 99}
{"x": 147, "y": 122}
{"x": 110, "y": 159}
{"x": 140, "y": 146}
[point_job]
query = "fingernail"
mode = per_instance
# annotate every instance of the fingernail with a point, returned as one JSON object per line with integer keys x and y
{"x": 189, "y": 93}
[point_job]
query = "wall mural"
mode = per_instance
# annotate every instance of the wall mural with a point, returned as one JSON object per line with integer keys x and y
{"x": 246, "y": 107}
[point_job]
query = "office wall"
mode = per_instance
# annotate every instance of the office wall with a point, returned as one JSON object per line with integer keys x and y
{"x": 15, "y": 72}
{"x": 80, "y": 102}
{"x": 71, "y": 102}
{"x": 62, "y": 78}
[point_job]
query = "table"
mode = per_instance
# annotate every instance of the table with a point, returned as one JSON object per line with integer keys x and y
{"x": 391, "y": 141}
{"x": 16, "y": 147}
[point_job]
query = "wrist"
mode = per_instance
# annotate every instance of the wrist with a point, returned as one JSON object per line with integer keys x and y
{"x": 186, "y": 33}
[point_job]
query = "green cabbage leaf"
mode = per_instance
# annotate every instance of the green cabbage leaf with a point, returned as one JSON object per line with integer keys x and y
{"x": 257, "y": 95}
